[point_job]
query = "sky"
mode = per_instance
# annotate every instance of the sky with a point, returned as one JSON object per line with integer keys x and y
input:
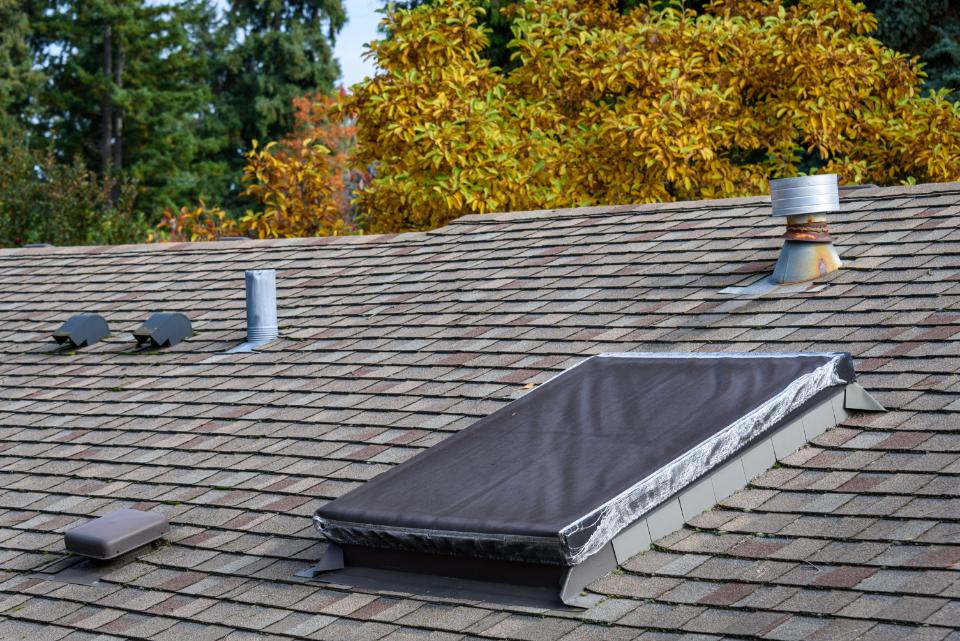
{"x": 360, "y": 29}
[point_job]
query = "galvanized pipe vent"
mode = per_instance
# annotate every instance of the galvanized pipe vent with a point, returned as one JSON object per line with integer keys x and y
{"x": 261, "y": 306}
{"x": 808, "y": 250}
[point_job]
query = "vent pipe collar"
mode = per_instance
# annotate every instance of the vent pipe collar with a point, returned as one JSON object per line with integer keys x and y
{"x": 261, "y": 306}
{"x": 808, "y": 250}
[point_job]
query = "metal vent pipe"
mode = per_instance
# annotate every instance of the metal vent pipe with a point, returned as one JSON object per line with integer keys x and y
{"x": 261, "y": 305}
{"x": 808, "y": 250}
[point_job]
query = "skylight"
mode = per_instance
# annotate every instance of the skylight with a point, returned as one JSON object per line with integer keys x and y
{"x": 549, "y": 491}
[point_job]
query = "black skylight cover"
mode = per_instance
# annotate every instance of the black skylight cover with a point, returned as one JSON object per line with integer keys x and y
{"x": 552, "y": 477}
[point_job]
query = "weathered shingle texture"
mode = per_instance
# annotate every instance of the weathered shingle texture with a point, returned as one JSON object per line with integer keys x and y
{"x": 391, "y": 343}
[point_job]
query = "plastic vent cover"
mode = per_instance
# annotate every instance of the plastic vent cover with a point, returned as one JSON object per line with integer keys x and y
{"x": 116, "y": 533}
{"x": 82, "y": 330}
{"x": 553, "y": 477}
{"x": 164, "y": 329}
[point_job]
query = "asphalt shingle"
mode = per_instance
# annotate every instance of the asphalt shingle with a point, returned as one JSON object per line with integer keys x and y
{"x": 392, "y": 343}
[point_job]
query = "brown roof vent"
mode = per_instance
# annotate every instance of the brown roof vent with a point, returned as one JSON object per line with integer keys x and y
{"x": 116, "y": 533}
{"x": 808, "y": 250}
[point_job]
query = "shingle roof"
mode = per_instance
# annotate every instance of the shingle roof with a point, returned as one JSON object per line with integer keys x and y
{"x": 391, "y": 343}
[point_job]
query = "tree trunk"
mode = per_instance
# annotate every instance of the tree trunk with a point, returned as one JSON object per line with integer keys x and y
{"x": 106, "y": 104}
{"x": 118, "y": 112}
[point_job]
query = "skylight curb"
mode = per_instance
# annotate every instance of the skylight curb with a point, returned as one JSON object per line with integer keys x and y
{"x": 729, "y": 478}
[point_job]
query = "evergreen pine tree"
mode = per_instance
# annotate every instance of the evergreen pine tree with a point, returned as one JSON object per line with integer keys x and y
{"x": 18, "y": 79}
{"x": 129, "y": 92}
{"x": 275, "y": 51}
{"x": 926, "y": 28}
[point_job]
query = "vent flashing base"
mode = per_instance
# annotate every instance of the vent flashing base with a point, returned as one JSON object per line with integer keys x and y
{"x": 81, "y": 570}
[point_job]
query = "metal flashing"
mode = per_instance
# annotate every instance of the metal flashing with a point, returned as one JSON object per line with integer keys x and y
{"x": 576, "y": 578}
{"x": 631, "y": 541}
{"x": 734, "y": 475}
{"x": 858, "y": 398}
{"x": 767, "y": 285}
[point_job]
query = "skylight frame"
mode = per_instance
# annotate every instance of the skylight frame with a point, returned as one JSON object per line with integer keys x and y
{"x": 593, "y": 556}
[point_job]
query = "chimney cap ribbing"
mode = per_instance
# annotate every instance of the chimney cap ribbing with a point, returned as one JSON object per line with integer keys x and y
{"x": 804, "y": 195}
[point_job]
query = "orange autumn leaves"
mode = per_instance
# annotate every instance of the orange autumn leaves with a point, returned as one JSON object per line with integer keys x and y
{"x": 299, "y": 184}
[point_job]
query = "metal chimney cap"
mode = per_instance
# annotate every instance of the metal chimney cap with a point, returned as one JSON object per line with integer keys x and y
{"x": 805, "y": 195}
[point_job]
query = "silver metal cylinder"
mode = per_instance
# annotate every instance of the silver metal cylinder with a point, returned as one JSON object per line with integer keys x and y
{"x": 261, "y": 305}
{"x": 805, "y": 195}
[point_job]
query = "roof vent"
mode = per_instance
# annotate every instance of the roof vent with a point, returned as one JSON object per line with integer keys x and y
{"x": 164, "y": 329}
{"x": 115, "y": 534}
{"x": 808, "y": 251}
{"x": 103, "y": 545}
{"x": 82, "y": 330}
{"x": 37, "y": 245}
{"x": 261, "y": 306}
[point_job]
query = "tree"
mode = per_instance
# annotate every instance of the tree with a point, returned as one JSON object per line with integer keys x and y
{"x": 128, "y": 91}
{"x": 294, "y": 189}
{"x": 18, "y": 79}
{"x": 301, "y": 186}
{"x": 929, "y": 29}
{"x": 648, "y": 105}
{"x": 315, "y": 120}
{"x": 44, "y": 200}
{"x": 274, "y": 51}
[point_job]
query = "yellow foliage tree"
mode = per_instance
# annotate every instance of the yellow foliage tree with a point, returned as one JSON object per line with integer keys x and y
{"x": 299, "y": 185}
{"x": 295, "y": 192}
{"x": 650, "y": 105}
{"x": 192, "y": 224}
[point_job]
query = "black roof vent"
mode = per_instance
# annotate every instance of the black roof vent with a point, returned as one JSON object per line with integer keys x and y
{"x": 164, "y": 329}
{"x": 82, "y": 330}
{"x": 115, "y": 534}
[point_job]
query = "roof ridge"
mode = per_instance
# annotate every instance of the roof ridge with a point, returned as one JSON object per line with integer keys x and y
{"x": 188, "y": 247}
{"x": 862, "y": 193}
{"x": 592, "y": 211}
